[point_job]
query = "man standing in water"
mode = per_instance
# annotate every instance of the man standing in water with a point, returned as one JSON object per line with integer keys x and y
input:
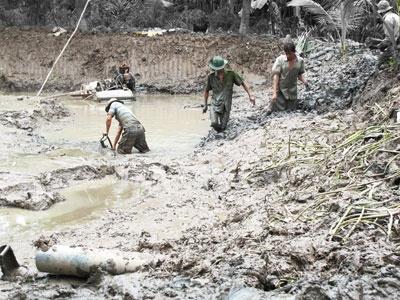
{"x": 133, "y": 131}
{"x": 220, "y": 82}
{"x": 391, "y": 28}
{"x": 287, "y": 69}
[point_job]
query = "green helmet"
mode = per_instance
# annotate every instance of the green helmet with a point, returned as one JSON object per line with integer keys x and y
{"x": 217, "y": 63}
{"x": 383, "y": 6}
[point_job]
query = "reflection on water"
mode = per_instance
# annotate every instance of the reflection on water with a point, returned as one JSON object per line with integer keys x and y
{"x": 170, "y": 130}
{"x": 38, "y": 163}
{"x": 83, "y": 201}
{"x": 170, "y": 127}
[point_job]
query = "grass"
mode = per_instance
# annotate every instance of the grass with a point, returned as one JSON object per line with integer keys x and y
{"x": 363, "y": 164}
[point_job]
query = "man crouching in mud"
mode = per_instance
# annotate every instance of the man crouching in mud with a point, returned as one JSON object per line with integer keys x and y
{"x": 221, "y": 83}
{"x": 133, "y": 135}
{"x": 287, "y": 69}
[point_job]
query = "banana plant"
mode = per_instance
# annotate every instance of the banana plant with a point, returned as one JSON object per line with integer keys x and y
{"x": 339, "y": 16}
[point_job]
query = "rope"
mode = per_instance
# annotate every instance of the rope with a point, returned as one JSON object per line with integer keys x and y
{"x": 65, "y": 47}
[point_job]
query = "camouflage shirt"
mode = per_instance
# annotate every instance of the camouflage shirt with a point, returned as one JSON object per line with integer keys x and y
{"x": 123, "y": 115}
{"x": 222, "y": 91}
{"x": 288, "y": 77}
{"x": 391, "y": 25}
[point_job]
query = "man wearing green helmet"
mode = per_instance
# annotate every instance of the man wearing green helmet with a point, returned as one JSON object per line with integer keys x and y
{"x": 221, "y": 82}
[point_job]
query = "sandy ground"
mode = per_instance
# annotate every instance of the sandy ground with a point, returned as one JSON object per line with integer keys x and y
{"x": 248, "y": 214}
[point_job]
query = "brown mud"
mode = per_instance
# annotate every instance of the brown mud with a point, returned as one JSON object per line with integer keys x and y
{"x": 247, "y": 214}
{"x": 172, "y": 63}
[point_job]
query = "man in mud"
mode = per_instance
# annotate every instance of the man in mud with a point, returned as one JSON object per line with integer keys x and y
{"x": 287, "y": 69}
{"x": 221, "y": 82}
{"x": 391, "y": 28}
{"x": 131, "y": 129}
{"x": 125, "y": 77}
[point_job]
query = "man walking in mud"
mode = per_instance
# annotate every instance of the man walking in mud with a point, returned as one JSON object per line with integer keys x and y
{"x": 131, "y": 129}
{"x": 221, "y": 82}
{"x": 287, "y": 69}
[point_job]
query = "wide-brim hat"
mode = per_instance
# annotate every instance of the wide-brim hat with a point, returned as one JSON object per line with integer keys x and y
{"x": 383, "y": 6}
{"x": 111, "y": 101}
{"x": 217, "y": 63}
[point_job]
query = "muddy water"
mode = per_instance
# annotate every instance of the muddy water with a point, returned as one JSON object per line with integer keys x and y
{"x": 84, "y": 202}
{"x": 171, "y": 128}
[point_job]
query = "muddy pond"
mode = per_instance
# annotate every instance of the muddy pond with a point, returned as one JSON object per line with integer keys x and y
{"x": 174, "y": 126}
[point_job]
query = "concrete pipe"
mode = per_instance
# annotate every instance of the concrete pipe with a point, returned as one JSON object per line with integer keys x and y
{"x": 63, "y": 260}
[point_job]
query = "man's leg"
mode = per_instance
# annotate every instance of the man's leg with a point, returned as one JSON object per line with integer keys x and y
{"x": 291, "y": 105}
{"x": 140, "y": 141}
{"x": 215, "y": 119}
{"x": 126, "y": 142}
{"x": 280, "y": 104}
{"x": 387, "y": 52}
{"x": 225, "y": 119}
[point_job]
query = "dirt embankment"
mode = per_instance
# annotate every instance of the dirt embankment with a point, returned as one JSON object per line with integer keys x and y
{"x": 260, "y": 212}
{"x": 175, "y": 63}
{"x": 287, "y": 205}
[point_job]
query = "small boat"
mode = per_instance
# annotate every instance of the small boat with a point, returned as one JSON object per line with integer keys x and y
{"x": 104, "y": 91}
{"x": 120, "y": 94}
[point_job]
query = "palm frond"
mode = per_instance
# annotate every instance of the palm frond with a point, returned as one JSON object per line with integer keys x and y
{"x": 276, "y": 12}
{"x": 315, "y": 9}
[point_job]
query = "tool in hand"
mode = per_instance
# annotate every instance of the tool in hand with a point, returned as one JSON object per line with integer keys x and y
{"x": 103, "y": 140}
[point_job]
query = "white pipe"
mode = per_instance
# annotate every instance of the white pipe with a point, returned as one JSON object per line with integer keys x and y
{"x": 64, "y": 260}
{"x": 65, "y": 47}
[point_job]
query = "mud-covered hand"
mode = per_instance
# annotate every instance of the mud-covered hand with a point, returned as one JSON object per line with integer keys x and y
{"x": 272, "y": 102}
{"x": 205, "y": 108}
{"x": 252, "y": 100}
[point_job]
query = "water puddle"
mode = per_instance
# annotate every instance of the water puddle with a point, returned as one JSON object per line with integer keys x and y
{"x": 84, "y": 202}
{"x": 173, "y": 128}
{"x": 37, "y": 163}
{"x": 170, "y": 127}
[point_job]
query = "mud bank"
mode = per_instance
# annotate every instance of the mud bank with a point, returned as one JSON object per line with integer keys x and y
{"x": 255, "y": 212}
{"x": 175, "y": 63}
{"x": 234, "y": 222}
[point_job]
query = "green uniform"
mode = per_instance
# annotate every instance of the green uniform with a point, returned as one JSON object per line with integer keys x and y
{"x": 221, "y": 101}
{"x": 287, "y": 95}
{"x": 133, "y": 134}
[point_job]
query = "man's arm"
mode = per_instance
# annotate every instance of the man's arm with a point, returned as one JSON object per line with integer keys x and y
{"x": 117, "y": 137}
{"x": 246, "y": 88}
{"x": 303, "y": 79}
{"x": 108, "y": 123}
{"x": 275, "y": 87}
{"x": 206, "y": 94}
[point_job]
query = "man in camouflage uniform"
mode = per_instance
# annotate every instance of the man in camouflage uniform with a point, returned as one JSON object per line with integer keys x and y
{"x": 287, "y": 69}
{"x": 221, "y": 82}
{"x": 133, "y": 131}
{"x": 391, "y": 28}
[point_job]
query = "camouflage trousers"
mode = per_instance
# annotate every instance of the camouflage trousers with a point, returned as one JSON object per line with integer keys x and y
{"x": 219, "y": 120}
{"x": 133, "y": 137}
{"x": 283, "y": 104}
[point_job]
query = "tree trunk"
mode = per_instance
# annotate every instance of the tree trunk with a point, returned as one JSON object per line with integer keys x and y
{"x": 245, "y": 21}
{"x": 230, "y": 6}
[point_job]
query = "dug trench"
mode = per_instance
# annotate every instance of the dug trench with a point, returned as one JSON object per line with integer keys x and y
{"x": 269, "y": 209}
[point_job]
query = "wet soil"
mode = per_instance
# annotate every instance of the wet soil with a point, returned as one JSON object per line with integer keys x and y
{"x": 172, "y": 63}
{"x": 239, "y": 216}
